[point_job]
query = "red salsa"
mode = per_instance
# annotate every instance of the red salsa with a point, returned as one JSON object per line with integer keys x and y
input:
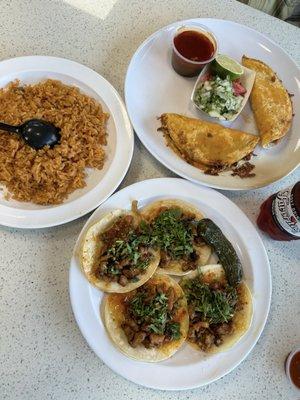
{"x": 194, "y": 46}
{"x": 191, "y": 51}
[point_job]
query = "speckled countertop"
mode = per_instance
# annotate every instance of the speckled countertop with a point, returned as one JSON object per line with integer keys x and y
{"x": 43, "y": 355}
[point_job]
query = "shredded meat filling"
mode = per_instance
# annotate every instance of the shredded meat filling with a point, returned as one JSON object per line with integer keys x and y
{"x": 244, "y": 171}
{"x": 214, "y": 170}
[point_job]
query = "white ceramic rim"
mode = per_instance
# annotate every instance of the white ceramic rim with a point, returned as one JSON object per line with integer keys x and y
{"x": 60, "y": 214}
{"x": 80, "y": 289}
{"x": 144, "y": 140}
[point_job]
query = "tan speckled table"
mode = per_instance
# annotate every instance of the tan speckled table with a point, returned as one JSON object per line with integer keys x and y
{"x": 43, "y": 355}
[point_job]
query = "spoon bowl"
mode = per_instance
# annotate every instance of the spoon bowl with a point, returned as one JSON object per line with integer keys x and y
{"x": 35, "y": 132}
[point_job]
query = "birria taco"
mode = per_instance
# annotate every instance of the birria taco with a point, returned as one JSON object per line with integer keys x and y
{"x": 173, "y": 229}
{"x": 149, "y": 323}
{"x": 115, "y": 257}
{"x": 270, "y": 101}
{"x": 219, "y": 314}
{"x": 206, "y": 144}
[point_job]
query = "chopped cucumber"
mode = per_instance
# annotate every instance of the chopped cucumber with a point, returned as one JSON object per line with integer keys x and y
{"x": 216, "y": 98}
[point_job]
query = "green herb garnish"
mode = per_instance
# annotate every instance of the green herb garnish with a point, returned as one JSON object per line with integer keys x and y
{"x": 216, "y": 97}
{"x": 173, "y": 330}
{"x": 213, "y": 306}
{"x": 127, "y": 250}
{"x": 169, "y": 232}
{"x": 153, "y": 311}
{"x": 172, "y": 234}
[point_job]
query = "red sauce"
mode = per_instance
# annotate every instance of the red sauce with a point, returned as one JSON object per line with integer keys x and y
{"x": 194, "y": 46}
{"x": 295, "y": 369}
{"x": 280, "y": 215}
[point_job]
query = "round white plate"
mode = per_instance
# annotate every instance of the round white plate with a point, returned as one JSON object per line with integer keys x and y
{"x": 187, "y": 368}
{"x": 100, "y": 184}
{"x": 152, "y": 88}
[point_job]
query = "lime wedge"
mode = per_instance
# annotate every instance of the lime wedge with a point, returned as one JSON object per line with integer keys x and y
{"x": 225, "y": 66}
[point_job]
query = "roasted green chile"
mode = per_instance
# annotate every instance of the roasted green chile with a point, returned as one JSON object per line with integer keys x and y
{"x": 228, "y": 257}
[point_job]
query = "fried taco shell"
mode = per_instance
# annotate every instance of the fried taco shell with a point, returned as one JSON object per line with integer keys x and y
{"x": 270, "y": 101}
{"x": 203, "y": 143}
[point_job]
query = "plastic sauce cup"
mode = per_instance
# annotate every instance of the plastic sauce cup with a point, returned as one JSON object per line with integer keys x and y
{"x": 193, "y": 38}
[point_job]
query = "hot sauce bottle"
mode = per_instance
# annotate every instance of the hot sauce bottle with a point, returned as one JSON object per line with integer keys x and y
{"x": 280, "y": 214}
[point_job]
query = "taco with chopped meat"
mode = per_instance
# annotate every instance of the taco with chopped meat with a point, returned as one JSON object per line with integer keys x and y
{"x": 116, "y": 256}
{"x": 149, "y": 323}
{"x": 219, "y": 315}
{"x": 172, "y": 225}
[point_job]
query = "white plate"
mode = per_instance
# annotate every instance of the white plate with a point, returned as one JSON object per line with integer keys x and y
{"x": 100, "y": 184}
{"x": 187, "y": 368}
{"x": 152, "y": 88}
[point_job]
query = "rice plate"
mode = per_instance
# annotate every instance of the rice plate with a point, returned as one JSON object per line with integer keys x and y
{"x": 48, "y": 176}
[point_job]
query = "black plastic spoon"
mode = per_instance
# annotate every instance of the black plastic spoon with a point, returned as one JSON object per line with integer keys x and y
{"x": 35, "y": 132}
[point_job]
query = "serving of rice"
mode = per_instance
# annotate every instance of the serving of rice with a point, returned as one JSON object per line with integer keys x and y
{"x": 48, "y": 176}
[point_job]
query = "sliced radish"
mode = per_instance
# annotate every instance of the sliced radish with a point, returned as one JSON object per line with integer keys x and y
{"x": 238, "y": 88}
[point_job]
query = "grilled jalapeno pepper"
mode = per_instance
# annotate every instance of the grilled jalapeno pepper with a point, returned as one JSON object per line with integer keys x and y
{"x": 228, "y": 257}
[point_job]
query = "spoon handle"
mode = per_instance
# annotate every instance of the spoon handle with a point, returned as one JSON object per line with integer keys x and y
{"x": 9, "y": 128}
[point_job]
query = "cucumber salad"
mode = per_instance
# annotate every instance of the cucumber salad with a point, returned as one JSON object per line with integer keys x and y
{"x": 220, "y": 98}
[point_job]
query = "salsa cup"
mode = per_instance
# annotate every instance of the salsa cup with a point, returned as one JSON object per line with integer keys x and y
{"x": 184, "y": 66}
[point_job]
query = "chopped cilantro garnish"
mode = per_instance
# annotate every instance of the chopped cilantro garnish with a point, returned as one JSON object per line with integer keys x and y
{"x": 153, "y": 311}
{"x": 213, "y": 306}
{"x": 169, "y": 232}
{"x": 173, "y": 330}
{"x": 172, "y": 234}
{"x": 127, "y": 250}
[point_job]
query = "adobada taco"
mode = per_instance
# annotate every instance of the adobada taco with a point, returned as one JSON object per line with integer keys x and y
{"x": 149, "y": 323}
{"x": 219, "y": 314}
{"x": 114, "y": 256}
{"x": 173, "y": 229}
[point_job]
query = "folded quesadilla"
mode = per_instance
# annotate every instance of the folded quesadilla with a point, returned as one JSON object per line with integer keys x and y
{"x": 203, "y": 143}
{"x": 270, "y": 101}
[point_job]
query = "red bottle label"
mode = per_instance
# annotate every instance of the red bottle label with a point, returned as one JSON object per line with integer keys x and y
{"x": 284, "y": 212}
